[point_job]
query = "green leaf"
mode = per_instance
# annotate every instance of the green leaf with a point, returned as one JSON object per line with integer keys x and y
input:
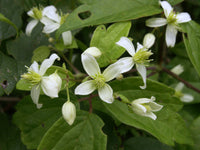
{"x": 8, "y": 74}
{"x": 169, "y": 127}
{"x": 12, "y": 10}
{"x": 84, "y": 134}
{"x": 40, "y": 53}
{"x": 99, "y": 12}
{"x": 192, "y": 43}
{"x": 9, "y": 135}
{"x": 33, "y": 122}
{"x": 105, "y": 40}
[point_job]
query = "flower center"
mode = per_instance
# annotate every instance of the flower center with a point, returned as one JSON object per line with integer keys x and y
{"x": 32, "y": 76}
{"x": 179, "y": 94}
{"x": 63, "y": 17}
{"x": 37, "y": 13}
{"x": 147, "y": 107}
{"x": 171, "y": 19}
{"x": 99, "y": 80}
{"x": 142, "y": 56}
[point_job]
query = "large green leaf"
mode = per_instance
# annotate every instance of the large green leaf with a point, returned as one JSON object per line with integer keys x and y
{"x": 192, "y": 43}
{"x": 84, "y": 134}
{"x": 33, "y": 122}
{"x": 106, "y": 11}
{"x": 169, "y": 127}
{"x": 105, "y": 40}
{"x": 12, "y": 10}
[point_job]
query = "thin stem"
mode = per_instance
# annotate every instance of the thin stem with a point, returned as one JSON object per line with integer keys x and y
{"x": 90, "y": 103}
{"x": 10, "y": 99}
{"x": 180, "y": 79}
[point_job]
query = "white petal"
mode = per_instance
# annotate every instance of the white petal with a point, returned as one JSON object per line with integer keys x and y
{"x": 106, "y": 93}
{"x": 46, "y": 21}
{"x": 127, "y": 44}
{"x": 35, "y": 93}
{"x": 30, "y": 13}
{"x": 150, "y": 115}
{"x": 50, "y": 28}
{"x": 112, "y": 71}
{"x": 155, "y": 107}
{"x": 179, "y": 86}
{"x": 178, "y": 69}
{"x": 67, "y": 37}
{"x": 51, "y": 85}
{"x": 183, "y": 17}
{"x": 187, "y": 98}
{"x": 69, "y": 112}
{"x": 50, "y": 12}
{"x": 34, "y": 67}
{"x": 149, "y": 40}
{"x": 139, "y": 46}
{"x": 142, "y": 70}
{"x": 166, "y": 7}
{"x": 85, "y": 88}
{"x": 90, "y": 64}
{"x": 142, "y": 100}
{"x": 48, "y": 63}
{"x": 156, "y": 22}
{"x": 125, "y": 64}
{"x": 138, "y": 109}
{"x": 30, "y": 26}
{"x": 170, "y": 35}
{"x": 94, "y": 51}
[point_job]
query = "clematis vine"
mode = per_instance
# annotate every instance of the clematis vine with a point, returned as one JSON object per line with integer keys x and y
{"x": 52, "y": 21}
{"x": 140, "y": 57}
{"x": 146, "y": 107}
{"x": 36, "y": 14}
{"x": 172, "y": 21}
{"x": 98, "y": 79}
{"x": 184, "y": 97}
{"x": 50, "y": 84}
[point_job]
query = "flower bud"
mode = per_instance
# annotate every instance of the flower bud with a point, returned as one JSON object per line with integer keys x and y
{"x": 149, "y": 40}
{"x": 67, "y": 37}
{"x": 177, "y": 69}
{"x": 51, "y": 85}
{"x": 95, "y": 52}
{"x": 69, "y": 112}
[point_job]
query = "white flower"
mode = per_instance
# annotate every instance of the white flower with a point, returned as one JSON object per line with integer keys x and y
{"x": 183, "y": 96}
{"x": 50, "y": 84}
{"x": 69, "y": 112}
{"x": 52, "y": 21}
{"x": 35, "y": 13}
{"x": 177, "y": 69}
{"x": 172, "y": 20}
{"x": 98, "y": 79}
{"x": 140, "y": 57}
{"x": 146, "y": 107}
{"x": 94, "y": 51}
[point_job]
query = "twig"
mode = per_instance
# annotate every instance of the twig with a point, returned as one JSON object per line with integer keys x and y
{"x": 180, "y": 79}
{"x": 151, "y": 74}
{"x": 10, "y": 99}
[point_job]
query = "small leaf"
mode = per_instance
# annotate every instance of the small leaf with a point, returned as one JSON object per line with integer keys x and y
{"x": 84, "y": 134}
{"x": 40, "y": 53}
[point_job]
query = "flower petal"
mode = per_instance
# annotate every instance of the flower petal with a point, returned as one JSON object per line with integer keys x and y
{"x": 179, "y": 87}
{"x": 142, "y": 70}
{"x": 155, "y": 107}
{"x": 127, "y": 44}
{"x": 85, "y": 88}
{"x": 149, "y": 40}
{"x": 35, "y": 93}
{"x": 50, "y": 12}
{"x": 183, "y": 17}
{"x": 187, "y": 98}
{"x": 30, "y": 26}
{"x": 30, "y": 13}
{"x": 150, "y": 115}
{"x": 143, "y": 100}
{"x": 156, "y": 22}
{"x": 166, "y": 7}
{"x": 139, "y": 46}
{"x": 170, "y": 35}
{"x": 112, "y": 71}
{"x": 106, "y": 93}
{"x": 48, "y": 63}
{"x": 94, "y": 51}
{"x": 51, "y": 85}
{"x": 125, "y": 64}
{"x": 138, "y": 109}
{"x": 50, "y": 28}
{"x": 90, "y": 64}
{"x": 34, "y": 67}
{"x": 67, "y": 37}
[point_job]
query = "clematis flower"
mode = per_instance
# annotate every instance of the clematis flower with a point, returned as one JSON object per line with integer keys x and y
{"x": 98, "y": 79}
{"x": 50, "y": 84}
{"x": 146, "y": 107}
{"x": 172, "y": 21}
{"x": 36, "y": 14}
{"x": 52, "y": 21}
{"x": 69, "y": 112}
{"x": 183, "y": 96}
{"x": 140, "y": 57}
